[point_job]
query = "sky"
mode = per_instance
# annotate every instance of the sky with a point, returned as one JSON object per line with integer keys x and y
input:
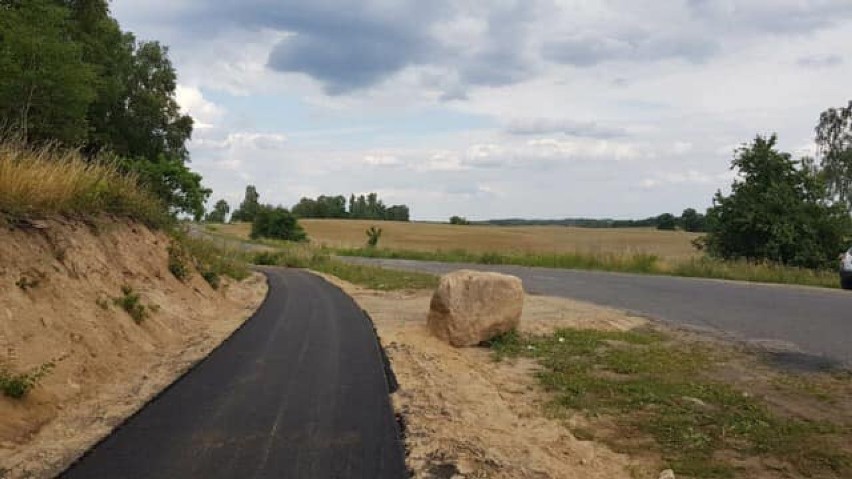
{"x": 500, "y": 108}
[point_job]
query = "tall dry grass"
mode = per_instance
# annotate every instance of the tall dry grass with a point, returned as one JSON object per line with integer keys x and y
{"x": 38, "y": 182}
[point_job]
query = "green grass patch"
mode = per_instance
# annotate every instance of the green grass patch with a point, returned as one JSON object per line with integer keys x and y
{"x": 304, "y": 256}
{"x": 636, "y": 263}
{"x": 214, "y": 258}
{"x": 626, "y": 263}
{"x": 754, "y": 272}
{"x": 661, "y": 390}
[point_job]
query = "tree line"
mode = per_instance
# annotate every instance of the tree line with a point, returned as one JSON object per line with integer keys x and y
{"x": 361, "y": 207}
{"x": 368, "y": 207}
{"x": 72, "y": 77}
{"x": 690, "y": 220}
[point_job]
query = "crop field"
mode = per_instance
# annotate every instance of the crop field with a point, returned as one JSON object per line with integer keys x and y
{"x": 629, "y": 250}
{"x": 428, "y": 237}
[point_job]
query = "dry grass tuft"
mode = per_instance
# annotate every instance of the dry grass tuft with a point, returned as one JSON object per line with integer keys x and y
{"x": 38, "y": 182}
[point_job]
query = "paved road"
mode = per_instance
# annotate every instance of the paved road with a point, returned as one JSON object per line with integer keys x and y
{"x": 815, "y": 321}
{"x": 298, "y": 392}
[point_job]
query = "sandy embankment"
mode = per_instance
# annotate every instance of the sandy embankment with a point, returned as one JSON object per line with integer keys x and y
{"x": 57, "y": 286}
{"x": 469, "y": 415}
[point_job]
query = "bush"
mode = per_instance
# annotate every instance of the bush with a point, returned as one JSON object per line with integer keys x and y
{"x": 131, "y": 303}
{"x": 777, "y": 211}
{"x": 17, "y": 386}
{"x": 667, "y": 222}
{"x": 458, "y": 220}
{"x": 212, "y": 278}
{"x": 373, "y": 235}
{"x": 277, "y": 223}
{"x": 178, "y": 261}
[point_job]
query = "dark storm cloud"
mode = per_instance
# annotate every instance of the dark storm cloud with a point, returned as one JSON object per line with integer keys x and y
{"x": 359, "y": 61}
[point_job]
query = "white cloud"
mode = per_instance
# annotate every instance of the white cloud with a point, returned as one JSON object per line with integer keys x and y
{"x": 192, "y": 102}
{"x": 690, "y": 177}
{"x": 380, "y": 160}
{"x": 242, "y": 141}
{"x": 545, "y": 108}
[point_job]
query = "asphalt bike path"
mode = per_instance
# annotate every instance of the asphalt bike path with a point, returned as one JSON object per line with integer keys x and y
{"x": 300, "y": 391}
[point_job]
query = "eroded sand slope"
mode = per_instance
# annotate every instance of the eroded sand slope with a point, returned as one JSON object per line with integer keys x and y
{"x": 57, "y": 286}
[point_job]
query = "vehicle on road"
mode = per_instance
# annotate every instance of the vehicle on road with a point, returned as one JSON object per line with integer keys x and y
{"x": 846, "y": 270}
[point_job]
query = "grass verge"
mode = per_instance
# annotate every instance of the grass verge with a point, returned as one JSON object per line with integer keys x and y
{"x": 660, "y": 395}
{"x": 303, "y": 256}
{"x": 214, "y": 258}
{"x": 48, "y": 181}
{"x": 627, "y": 263}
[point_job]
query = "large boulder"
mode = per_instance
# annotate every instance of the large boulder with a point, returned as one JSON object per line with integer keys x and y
{"x": 471, "y": 306}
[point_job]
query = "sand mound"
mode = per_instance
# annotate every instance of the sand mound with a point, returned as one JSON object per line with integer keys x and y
{"x": 58, "y": 283}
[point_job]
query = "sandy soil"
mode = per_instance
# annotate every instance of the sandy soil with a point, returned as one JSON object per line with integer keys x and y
{"x": 106, "y": 365}
{"x": 469, "y": 416}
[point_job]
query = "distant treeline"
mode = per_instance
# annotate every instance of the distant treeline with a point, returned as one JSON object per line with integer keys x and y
{"x": 361, "y": 207}
{"x": 578, "y": 222}
{"x": 689, "y": 220}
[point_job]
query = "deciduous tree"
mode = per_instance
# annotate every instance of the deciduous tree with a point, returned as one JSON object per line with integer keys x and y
{"x": 219, "y": 213}
{"x": 249, "y": 207}
{"x": 777, "y": 211}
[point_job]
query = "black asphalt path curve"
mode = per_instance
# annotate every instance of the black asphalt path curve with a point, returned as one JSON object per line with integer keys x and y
{"x": 814, "y": 324}
{"x": 298, "y": 392}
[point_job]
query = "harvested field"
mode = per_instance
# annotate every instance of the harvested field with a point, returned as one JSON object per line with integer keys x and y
{"x": 668, "y": 245}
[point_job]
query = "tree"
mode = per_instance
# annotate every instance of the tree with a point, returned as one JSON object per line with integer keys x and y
{"x": 305, "y": 208}
{"x": 167, "y": 177}
{"x": 249, "y": 207}
{"x": 666, "y": 221}
{"x": 276, "y": 223}
{"x": 71, "y": 75}
{"x": 219, "y": 213}
{"x": 45, "y": 86}
{"x": 397, "y": 213}
{"x": 458, "y": 220}
{"x": 834, "y": 143}
{"x": 777, "y": 211}
{"x": 360, "y": 210}
{"x": 375, "y": 209}
{"x": 692, "y": 221}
